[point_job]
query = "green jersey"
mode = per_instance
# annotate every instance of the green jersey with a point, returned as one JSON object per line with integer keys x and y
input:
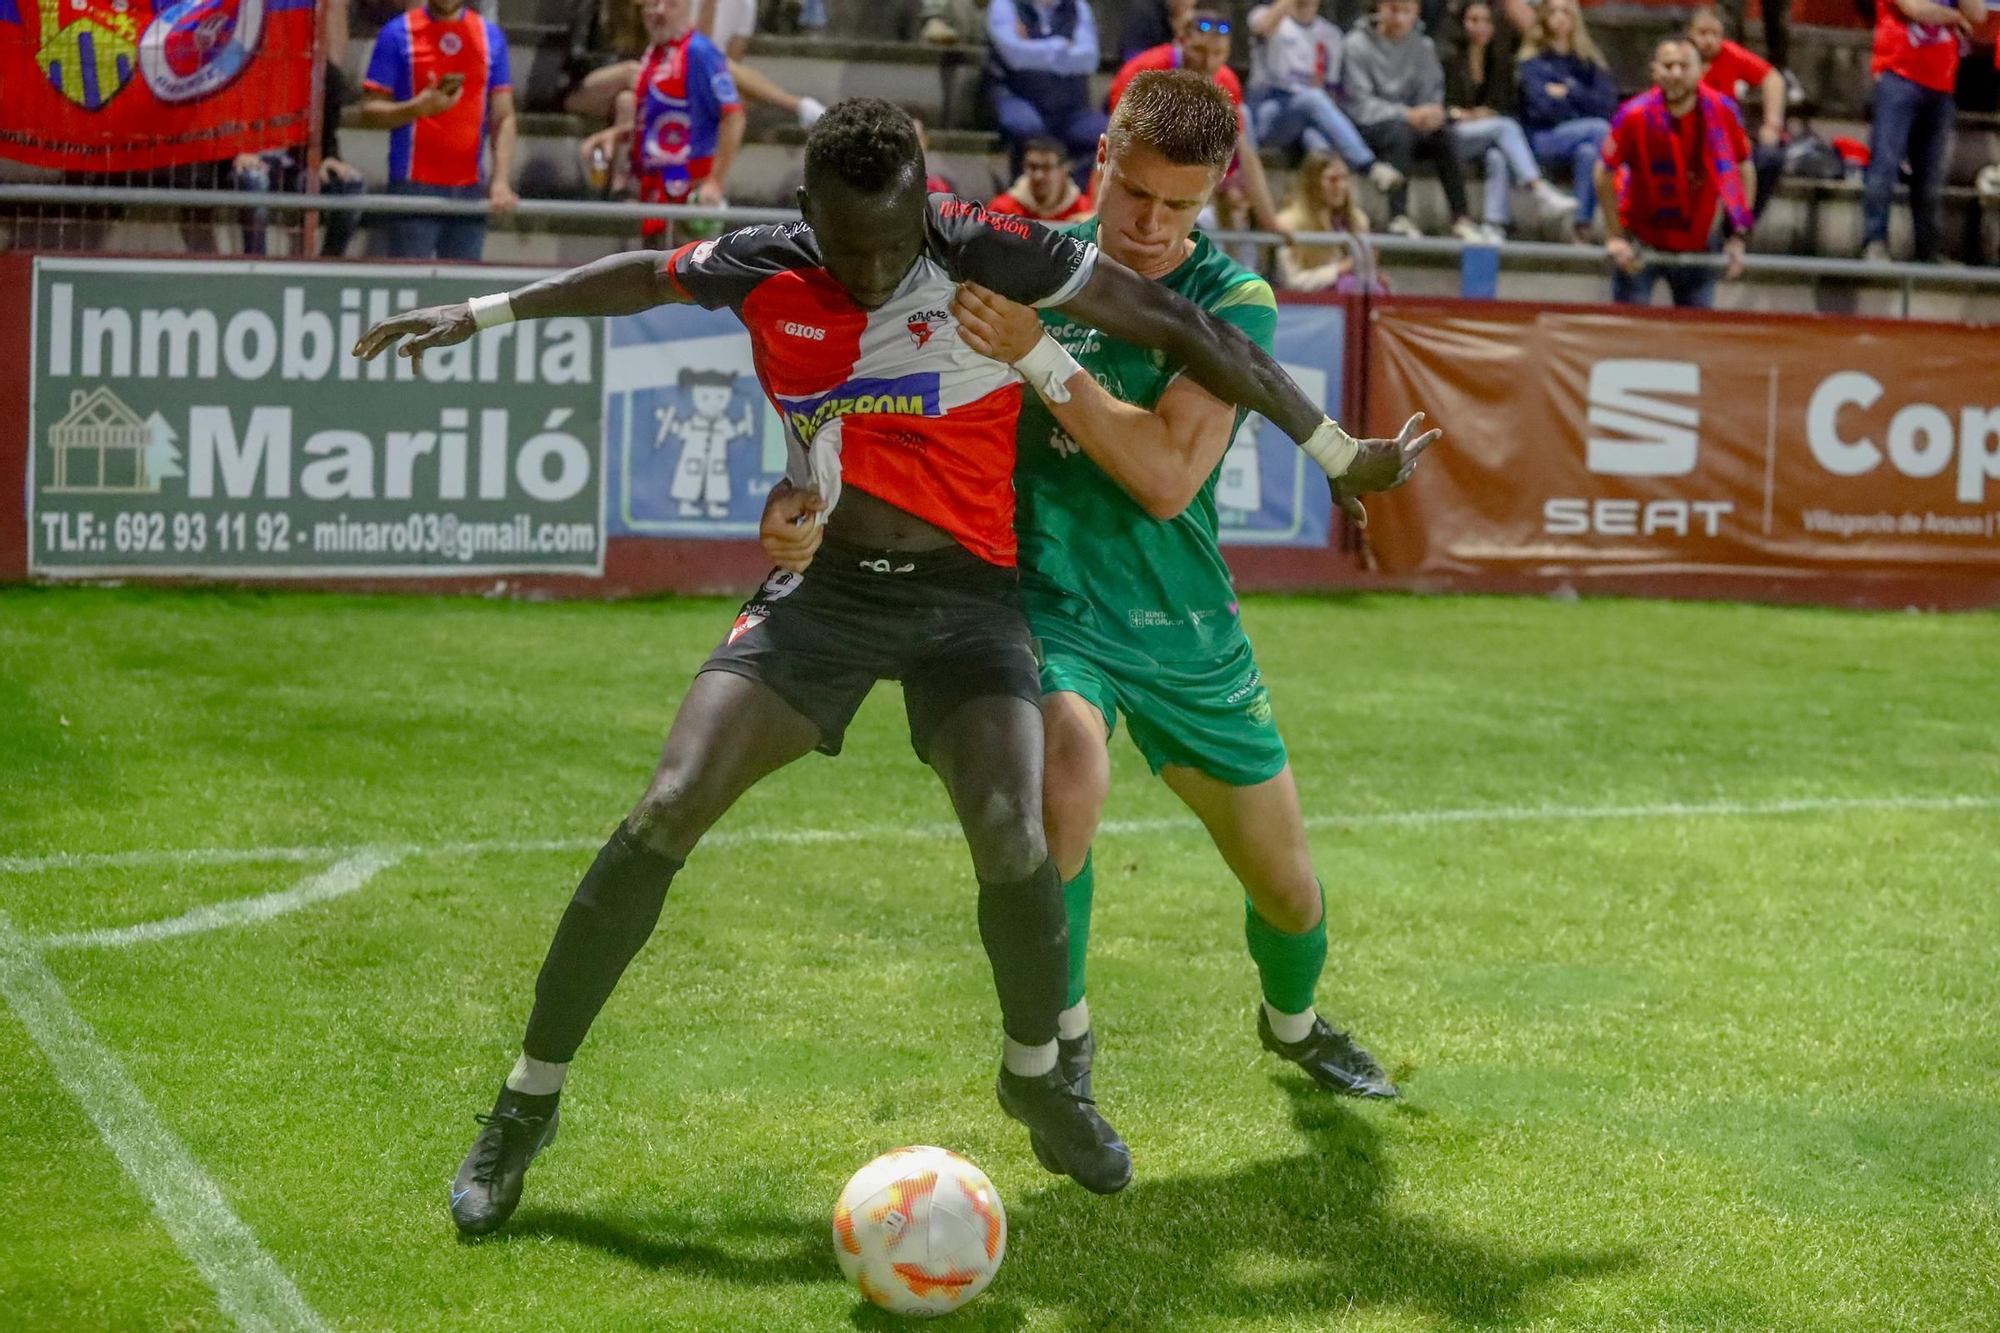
{"x": 1091, "y": 557}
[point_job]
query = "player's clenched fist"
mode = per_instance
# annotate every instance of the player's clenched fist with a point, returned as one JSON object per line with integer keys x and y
{"x": 790, "y": 531}
{"x": 433, "y": 326}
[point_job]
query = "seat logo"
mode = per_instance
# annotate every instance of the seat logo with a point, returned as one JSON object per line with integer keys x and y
{"x": 1637, "y": 427}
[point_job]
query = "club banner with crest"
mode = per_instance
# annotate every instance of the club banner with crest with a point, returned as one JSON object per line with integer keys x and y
{"x": 131, "y": 85}
{"x": 693, "y": 445}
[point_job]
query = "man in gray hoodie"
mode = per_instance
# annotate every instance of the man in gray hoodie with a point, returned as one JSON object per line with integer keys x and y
{"x": 1392, "y": 88}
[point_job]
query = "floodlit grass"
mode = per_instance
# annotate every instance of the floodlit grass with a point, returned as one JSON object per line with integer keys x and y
{"x": 1729, "y": 1069}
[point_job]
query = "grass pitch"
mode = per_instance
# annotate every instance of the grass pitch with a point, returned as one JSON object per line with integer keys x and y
{"x": 1727, "y": 1066}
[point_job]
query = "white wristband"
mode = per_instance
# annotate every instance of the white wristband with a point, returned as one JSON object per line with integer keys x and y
{"x": 1332, "y": 448}
{"x": 1048, "y": 368}
{"x": 490, "y": 310}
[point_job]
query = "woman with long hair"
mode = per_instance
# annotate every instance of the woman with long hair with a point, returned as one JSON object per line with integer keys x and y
{"x": 1567, "y": 99}
{"x": 1322, "y": 200}
{"x": 1479, "y": 97}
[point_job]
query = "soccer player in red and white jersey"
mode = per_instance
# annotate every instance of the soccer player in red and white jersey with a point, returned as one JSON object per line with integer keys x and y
{"x": 902, "y": 441}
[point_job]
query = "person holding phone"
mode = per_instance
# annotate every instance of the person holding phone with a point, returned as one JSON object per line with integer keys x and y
{"x": 439, "y": 80}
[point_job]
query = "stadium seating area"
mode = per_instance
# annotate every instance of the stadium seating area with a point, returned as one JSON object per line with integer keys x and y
{"x": 871, "y": 48}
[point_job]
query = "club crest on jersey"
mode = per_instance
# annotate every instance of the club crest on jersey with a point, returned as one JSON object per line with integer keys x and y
{"x": 925, "y": 323}
{"x": 906, "y": 395}
{"x": 746, "y": 622}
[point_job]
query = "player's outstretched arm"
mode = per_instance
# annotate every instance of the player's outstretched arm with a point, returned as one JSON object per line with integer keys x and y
{"x": 622, "y": 284}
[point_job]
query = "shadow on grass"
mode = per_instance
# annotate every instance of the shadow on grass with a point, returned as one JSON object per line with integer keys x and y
{"x": 1312, "y": 1235}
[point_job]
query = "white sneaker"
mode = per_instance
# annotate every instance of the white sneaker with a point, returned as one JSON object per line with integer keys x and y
{"x": 1384, "y": 177}
{"x": 1494, "y": 234}
{"x": 1469, "y": 231}
{"x": 1556, "y": 203}
{"x": 810, "y": 110}
{"x": 1875, "y": 252}
{"x": 1400, "y": 225}
{"x": 939, "y": 32}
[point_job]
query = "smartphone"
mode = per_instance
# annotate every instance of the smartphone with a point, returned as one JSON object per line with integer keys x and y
{"x": 451, "y": 83}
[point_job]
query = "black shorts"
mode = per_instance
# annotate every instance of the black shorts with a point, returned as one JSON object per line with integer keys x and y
{"x": 945, "y": 623}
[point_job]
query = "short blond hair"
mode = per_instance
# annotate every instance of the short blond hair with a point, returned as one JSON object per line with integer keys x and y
{"x": 1183, "y": 116}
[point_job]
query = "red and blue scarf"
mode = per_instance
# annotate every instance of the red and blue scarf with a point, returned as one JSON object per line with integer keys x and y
{"x": 1666, "y": 170}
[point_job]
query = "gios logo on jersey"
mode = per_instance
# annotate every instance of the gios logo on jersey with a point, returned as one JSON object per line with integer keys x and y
{"x": 906, "y": 395}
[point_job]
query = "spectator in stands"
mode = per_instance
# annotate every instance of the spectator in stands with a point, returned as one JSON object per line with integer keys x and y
{"x": 1045, "y": 190}
{"x": 1732, "y": 69}
{"x": 609, "y": 38}
{"x": 681, "y": 126}
{"x": 1567, "y": 99}
{"x": 1393, "y": 87}
{"x": 1676, "y": 159}
{"x": 1322, "y": 201}
{"x": 1151, "y": 23}
{"x": 1294, "y": 68}
{"x": 1202, "y": 47}
{"x": 1915, "y": 67}
{"x": 1479, "y": 101}
{"x": 446, "y": 66}
{"x": 1043, "y": 54}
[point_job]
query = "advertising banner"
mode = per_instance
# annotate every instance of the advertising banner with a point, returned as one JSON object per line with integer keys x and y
{"x": 1602, "y": 442}
{"x": 693, "y": 446}
{"x": 126, "y": 85}
{"x": 203, "y": 419}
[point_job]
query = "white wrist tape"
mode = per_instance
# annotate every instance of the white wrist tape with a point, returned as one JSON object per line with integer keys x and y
{"x": 1332, "y": 448}
{"x": 490, "y": 310}
{"x": 1047, "y": 367}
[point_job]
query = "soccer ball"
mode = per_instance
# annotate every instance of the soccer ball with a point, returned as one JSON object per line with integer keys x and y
{"x": 919, "y": 1231}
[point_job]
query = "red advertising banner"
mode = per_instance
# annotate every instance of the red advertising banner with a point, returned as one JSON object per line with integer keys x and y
{"x": 1615, "y": 443}
{"x": 129, "y": 85}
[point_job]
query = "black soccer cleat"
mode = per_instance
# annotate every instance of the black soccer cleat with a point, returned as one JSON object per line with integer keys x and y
{"x": 1073, "y": 1056}
{"x": 1331, "y": 1057}
{"x": 487, "y": 1188}
{"x": 1069, "y": 1137}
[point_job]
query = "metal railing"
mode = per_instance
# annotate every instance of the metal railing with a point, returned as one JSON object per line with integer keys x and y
{"x": 1370, "y": 250}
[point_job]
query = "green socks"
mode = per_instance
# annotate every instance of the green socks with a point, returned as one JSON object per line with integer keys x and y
{"x": 1076, "y": 902}
{"x": 1288, "y": 965}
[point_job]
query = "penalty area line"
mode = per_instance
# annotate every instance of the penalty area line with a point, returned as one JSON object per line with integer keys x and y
{"x": 252, "y": 1290}
{"x": 754, "y": 837}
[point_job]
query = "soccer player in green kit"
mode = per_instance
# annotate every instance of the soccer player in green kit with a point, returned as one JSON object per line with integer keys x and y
{"x": 1126, "y": 590}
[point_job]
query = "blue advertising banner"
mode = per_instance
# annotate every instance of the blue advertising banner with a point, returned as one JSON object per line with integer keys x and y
{"x": 692, "y": 445}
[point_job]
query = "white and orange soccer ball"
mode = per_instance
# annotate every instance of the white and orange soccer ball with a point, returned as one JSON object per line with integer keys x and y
{"x": 919, "y": 1231}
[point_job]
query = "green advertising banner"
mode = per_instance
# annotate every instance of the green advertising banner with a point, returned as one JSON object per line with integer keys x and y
{"x": 207, "y": 419}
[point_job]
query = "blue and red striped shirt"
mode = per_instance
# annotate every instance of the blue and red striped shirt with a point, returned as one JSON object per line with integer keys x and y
{"x": 416, "y": 47}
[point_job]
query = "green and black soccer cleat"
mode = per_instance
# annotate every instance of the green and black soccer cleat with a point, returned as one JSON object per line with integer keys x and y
{"x": 1331, "y": 1057}
{"x": 487, "y": 1188}
{"x": 1069, "y": 1137}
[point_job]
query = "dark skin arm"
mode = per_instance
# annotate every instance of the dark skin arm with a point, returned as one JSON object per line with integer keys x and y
{"x": 1220, "y": 357}
{"x": 622, "y": 284}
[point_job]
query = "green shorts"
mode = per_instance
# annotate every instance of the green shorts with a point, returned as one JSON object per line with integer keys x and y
{"x": 1212, "y": 717}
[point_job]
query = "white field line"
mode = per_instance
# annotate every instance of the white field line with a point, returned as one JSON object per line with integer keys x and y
{"x": 342, "y": 878}
{"x": 252, "y": 1290}
{"x": 752, "y": 837}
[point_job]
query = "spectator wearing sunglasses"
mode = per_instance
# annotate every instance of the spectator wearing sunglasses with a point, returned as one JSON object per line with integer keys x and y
{"x": 1294, "y": 68}
{"x": 1043, "y": 54}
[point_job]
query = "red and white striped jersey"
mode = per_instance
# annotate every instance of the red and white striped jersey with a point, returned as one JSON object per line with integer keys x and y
{"x": 892, "y": 401}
